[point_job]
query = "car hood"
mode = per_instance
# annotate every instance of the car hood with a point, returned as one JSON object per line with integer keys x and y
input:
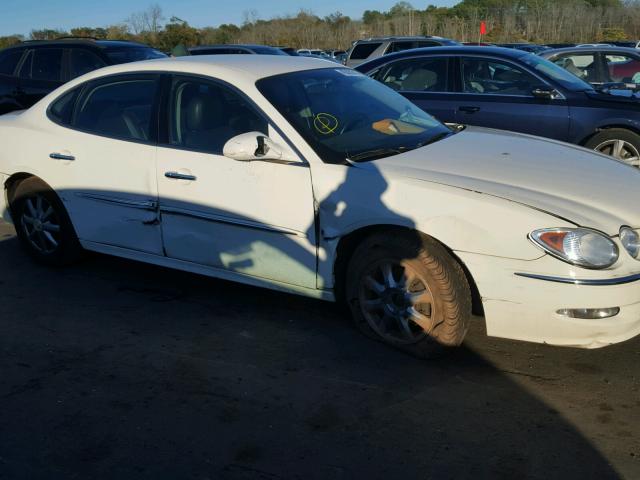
{"x": 625, "y": 97}
{"x": 564, "y": 180}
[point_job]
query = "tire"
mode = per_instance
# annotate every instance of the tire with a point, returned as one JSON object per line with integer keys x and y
{"x": 619, "y": 143}
{"x": 434, "y": 293}
{"x": 43, "y": 225}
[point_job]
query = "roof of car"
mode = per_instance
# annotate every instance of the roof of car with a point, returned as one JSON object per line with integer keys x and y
{"x": 595, "y": 48}
{"x": 253, "y": 67}
{"x": 230, "y": 45}
{"x": 80, "y": 41}
{"x": 449, "y": 50}
{"x": 394, "y": 38}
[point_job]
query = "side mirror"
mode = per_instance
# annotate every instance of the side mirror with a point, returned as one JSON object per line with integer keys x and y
{"x": 252, "y": 146}
{"x": 545, "y": 93}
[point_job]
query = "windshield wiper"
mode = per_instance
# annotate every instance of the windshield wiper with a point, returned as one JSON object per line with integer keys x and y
{"x": 378, "y": 153}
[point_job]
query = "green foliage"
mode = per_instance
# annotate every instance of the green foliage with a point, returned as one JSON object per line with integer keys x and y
{"x": 541, "y": 21}
{"x": 612, "y": 35}
{"x": 10, "y": 40}
{"x": 47, "y": 34}
{"x": 177, "y": 32}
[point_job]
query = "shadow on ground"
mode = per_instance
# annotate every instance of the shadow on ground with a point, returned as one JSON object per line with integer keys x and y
{"x": 114, "y": 369}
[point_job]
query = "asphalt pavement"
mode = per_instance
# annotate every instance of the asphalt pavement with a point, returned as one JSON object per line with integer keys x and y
{"x": 113, "y": 369}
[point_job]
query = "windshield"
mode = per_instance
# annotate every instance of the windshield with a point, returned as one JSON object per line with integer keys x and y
{"x": 132, "y": 54}
{"x": 346, "y": 115}
{"x": 557, "y": 73}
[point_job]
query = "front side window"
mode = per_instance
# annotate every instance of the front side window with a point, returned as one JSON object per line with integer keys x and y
{"x": 415, "y": 75}
{"x": 492, "y": 77}
{"x": 344, "y": 115}
{"x": 623, "y": 68}
{"x": 120, "y": 109}
{"x": 9, "y": 60}
{"x": 83, "y": 61}
{"x": 581, "y": 65}
{"x": 204, "y": 115}
{"x": 555, "y": 73}
{"x": 43, "y": 64}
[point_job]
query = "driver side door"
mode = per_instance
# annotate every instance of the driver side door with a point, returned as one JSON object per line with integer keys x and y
{"x": 497, "y": 94}
{"x": 250, "y": 218}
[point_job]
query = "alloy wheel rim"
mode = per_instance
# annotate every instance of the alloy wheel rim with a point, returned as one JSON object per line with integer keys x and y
{"x": 622, "y": 150}
{"x": 40, "y": 224}
{"x": 396, "y": 301}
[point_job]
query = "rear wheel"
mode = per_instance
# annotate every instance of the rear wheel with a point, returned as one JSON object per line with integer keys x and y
{"x": 406, "y": 290}
{"x": 618, "y": 143}
{"x": 42, "y": 224}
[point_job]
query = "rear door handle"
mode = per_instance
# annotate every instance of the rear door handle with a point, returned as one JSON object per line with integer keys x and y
{"x": 180, "y": 176}
{"x": 61, "y": 156}
{"x": 469, "y": 109}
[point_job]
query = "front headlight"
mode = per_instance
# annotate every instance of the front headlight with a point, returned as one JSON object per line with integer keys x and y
{"x": 630, "y": 241}
{"x": 578, "y": 246}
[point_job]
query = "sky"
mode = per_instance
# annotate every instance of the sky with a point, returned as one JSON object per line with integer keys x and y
{"x": 21, "y": 16}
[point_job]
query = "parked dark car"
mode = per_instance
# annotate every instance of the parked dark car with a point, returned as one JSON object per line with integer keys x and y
{"x": 30, "y": 70}
{"x": 525, "y": 47}
{"x": 559, "y": 45}
{"x": 371, "y": 48}
{"x": 289, "y": 51}
{"x": 512, "y": 90}
{"x": 236, "y": 49}
{"x": 599, "y": 65}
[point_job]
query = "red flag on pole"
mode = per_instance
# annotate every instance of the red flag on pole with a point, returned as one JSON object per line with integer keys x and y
{"x": 483, "y": 28}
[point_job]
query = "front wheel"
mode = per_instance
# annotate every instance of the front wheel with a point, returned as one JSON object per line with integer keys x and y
{"x": 406, "y": 290}
{"x": 42, "y": 224}
{"x": 619, "y": 143}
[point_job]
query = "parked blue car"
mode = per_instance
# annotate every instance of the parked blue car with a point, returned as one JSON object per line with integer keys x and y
{"x": 512, "y": 90}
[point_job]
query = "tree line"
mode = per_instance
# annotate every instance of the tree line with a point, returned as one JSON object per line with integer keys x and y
{"x": 539, "y": 21}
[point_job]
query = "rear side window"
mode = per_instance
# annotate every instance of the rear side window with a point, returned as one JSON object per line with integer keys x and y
{"x": 622, "y": 68}
{"x": 415, "y": 75}
{"x": 9, "y": 61}
{"x": 83, "y": 61}
{"x": 43, "y": 64}
{"x": 363, "y": 50}
{"x": 120, "y": 109}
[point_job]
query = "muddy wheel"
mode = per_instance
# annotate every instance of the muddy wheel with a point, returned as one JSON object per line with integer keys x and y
{"x": 407, "y": 291}
{"x": 42, "y": 224}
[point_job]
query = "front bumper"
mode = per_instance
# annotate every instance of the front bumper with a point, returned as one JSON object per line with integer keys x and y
{"x": 525, "y": 307}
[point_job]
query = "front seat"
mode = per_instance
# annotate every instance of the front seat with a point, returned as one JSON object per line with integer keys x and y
{"x": 205, "y": 126}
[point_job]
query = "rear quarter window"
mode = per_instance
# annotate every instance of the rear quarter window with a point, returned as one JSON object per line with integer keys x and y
{"x": 363, "y": 50}
{"x": 61, "y": 109}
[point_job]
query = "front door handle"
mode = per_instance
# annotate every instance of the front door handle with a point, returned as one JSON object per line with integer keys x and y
{"x": 180, "y": 176}
{"x": 469, "y": 109}
{"x": 62, "y": 156}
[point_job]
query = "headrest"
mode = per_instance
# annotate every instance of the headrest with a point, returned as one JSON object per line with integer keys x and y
{"x": 420, "y": 79}
{"x": 204, "y": 112}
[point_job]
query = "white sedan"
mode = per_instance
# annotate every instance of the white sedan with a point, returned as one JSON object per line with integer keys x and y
{"x": 291, "y": 174}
